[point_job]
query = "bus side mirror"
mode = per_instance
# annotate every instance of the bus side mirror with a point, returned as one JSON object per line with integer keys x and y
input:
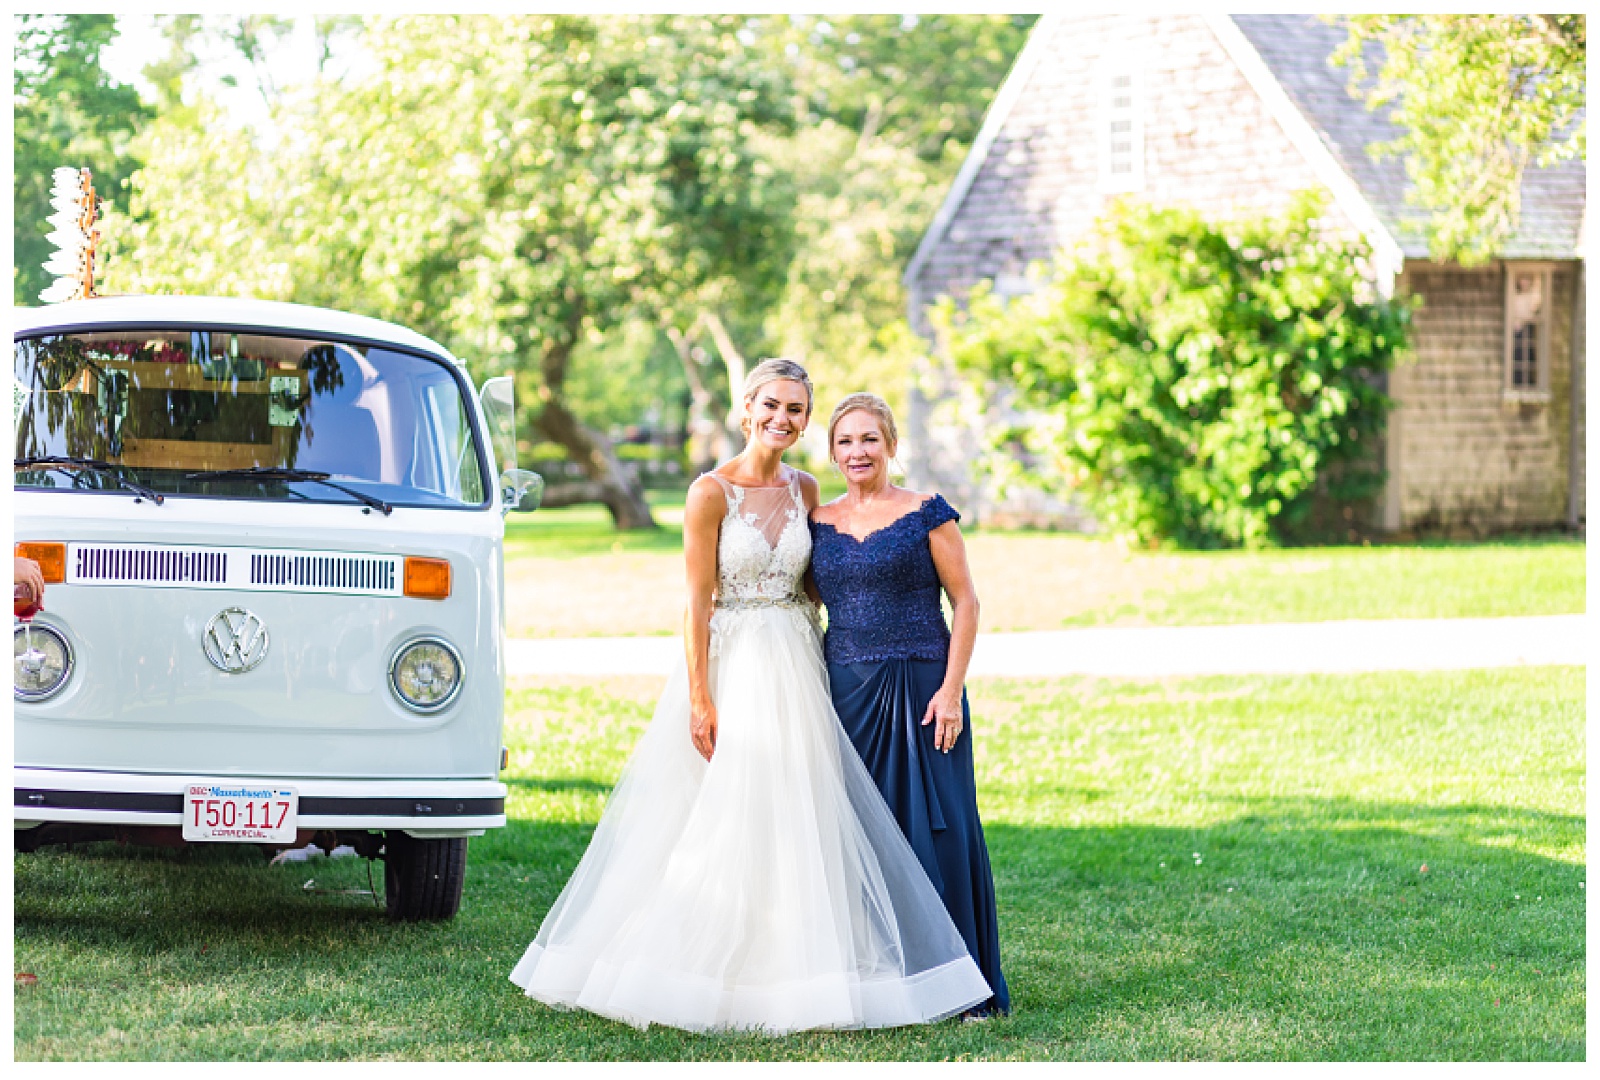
{"x": 499, "y": 404}
{"x": 521, "y": 490}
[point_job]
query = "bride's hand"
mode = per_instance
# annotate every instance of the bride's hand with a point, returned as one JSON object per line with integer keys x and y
{"x": 703, "y": 728}
{"x": 945, "y": 708}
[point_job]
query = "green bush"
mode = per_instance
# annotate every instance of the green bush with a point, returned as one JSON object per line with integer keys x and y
{"x": 1201, "y": 383}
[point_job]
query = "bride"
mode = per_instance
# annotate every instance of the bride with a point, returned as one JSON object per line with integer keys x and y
{"x": 746, "y": 873}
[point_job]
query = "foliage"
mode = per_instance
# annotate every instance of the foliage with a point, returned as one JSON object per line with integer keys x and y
{"x": 889, "y": 106}
{"x": 67, "y": 112}
{"x": 1364, "y": 867}
{"x": 1205, "y": 381}
{"x": 922, "y": 82}
{"x": 629, "y": 376}
{"x": 1480, "y": 98}
{"x": 555, "y": 176}
{"x": 751, "y": 184}
{"x": 841, "y": 311}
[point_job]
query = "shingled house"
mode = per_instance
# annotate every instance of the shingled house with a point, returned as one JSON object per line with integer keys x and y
{"x": 1232, "y": 115}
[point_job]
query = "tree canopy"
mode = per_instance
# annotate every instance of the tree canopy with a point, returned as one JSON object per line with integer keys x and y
{"x": 68, "y": 112}
{"x": 1480, "y": 99}
{"x": 555, "y": 176}
{"x": 736, "y": 185}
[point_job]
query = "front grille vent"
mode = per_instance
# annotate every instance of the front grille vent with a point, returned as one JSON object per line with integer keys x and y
{"x": 161, "y": 566}
{"x": 324, "y": 572}
{"x": 150, "y": 565}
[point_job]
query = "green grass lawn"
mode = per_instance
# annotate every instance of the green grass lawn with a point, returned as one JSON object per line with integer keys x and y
{"x": 1369, "y": 867}
{"x": 569, "y": 573}
{"x": 1537, "y": 576}
{"x": 573, "y": 531}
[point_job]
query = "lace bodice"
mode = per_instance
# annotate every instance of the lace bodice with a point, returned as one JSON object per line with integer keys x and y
{"x": 882, "y": 591}
{"x": 763, "y": 549}
{"x": 764, "y": 544}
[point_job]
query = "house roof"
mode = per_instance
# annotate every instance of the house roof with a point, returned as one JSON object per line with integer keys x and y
{"x": 1287, "y": 58}
{"x": 1296, "y": 49}
{"x": 999, "y": 109}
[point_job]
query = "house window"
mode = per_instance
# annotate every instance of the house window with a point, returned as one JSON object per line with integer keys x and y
{"x": 1121, "y": 130}
{"x": 1528, "y": 345}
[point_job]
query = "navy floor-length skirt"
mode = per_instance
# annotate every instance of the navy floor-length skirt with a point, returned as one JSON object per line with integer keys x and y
{"x": 933, "y": 795}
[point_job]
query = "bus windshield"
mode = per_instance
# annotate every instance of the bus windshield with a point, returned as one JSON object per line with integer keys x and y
{"x": 164, "y": 407}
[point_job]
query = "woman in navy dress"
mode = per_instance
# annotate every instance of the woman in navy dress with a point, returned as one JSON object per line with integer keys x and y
{"x": 880, "y": 556}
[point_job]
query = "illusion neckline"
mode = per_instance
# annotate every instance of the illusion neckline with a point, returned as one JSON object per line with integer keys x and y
{"x": 882, "y": 528}
{"x": 793, "y": 472}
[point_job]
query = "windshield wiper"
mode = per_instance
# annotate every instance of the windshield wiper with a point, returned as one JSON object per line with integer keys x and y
{"x": 262, "y": 472}
{"x": 108, "y": 467}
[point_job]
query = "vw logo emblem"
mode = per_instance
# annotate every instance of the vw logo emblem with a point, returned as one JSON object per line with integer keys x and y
{"x": 235, "y": 640}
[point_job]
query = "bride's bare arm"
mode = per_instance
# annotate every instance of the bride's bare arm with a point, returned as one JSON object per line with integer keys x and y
{"x": 702, "y": 518}
{"x": 811, "y": 494}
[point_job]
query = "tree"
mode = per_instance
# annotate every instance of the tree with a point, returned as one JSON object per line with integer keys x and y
{"x": 923, "y": 82}
{"x": 1481, "y": 97}
{"x": 888, "y": 107}
{"x": 1203, "y": 383}
{"x": 841, "y": 310}
{"x": 742, "y": 186}
{"x": 68, "y": 112}
{"x": 554, "y": 177}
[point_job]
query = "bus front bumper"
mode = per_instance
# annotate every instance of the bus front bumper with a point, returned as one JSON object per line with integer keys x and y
{"x": 422, "y": 808}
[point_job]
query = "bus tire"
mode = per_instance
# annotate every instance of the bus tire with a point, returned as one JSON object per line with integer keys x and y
{"x": 423, "y": 879}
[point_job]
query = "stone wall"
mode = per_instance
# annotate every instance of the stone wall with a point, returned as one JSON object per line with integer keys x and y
{"x": 1462, "y": 455}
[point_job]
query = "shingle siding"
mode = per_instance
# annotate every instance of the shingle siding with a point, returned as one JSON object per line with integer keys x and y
{"x": 1469, "y": 458}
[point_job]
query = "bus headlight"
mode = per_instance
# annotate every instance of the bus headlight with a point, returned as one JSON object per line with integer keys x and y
{"x": 426, "y": 674}
{"x": 41, "y": 661}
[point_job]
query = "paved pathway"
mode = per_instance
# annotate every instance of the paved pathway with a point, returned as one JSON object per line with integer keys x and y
{"x": 1276, "y": 649}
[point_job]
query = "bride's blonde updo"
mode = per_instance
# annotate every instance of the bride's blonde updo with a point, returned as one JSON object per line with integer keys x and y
{"x": 772, "y": 370}
{"x": 864, "y": 402}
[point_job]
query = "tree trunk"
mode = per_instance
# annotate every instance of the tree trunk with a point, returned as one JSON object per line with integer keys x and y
{"x": 704, "y": 430}
{"x": 572, "y": 493}
{"x": 734, "y": 360}
{"x": 621, "y": 493}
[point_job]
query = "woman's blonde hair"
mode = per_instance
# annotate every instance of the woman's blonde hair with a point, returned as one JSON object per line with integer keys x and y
{"x": 864, "y": 402}
{"x": 772, "y": 370}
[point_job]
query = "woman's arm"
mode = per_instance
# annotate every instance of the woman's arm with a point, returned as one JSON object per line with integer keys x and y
{"x": 811, "y": 493}
{"x": 950, "y": 560}
{"x": 703, "y": 512}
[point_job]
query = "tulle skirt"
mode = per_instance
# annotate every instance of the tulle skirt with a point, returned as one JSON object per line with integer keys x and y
{"x": 768, "y": 890}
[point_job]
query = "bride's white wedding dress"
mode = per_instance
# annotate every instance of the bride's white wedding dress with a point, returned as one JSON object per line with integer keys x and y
{"x": 770, "y": 888}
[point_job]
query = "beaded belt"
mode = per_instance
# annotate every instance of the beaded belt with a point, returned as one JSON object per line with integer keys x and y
{"x": 741, "y": 603}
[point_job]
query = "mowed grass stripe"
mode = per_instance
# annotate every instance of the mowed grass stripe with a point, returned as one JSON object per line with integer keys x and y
{"x": 1221, "y": 868}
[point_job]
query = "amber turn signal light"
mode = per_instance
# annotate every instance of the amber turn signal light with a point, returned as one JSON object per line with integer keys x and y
{"x": 427, "y": 579}
{"x": 52, "y": 560}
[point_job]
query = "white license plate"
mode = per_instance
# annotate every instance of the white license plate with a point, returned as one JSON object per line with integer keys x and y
{"x": 246, "y": 813}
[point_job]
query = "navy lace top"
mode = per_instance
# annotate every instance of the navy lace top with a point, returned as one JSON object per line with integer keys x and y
{"x": 882, "y": 593}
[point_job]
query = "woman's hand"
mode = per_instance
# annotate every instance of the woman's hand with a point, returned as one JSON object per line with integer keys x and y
{"x": 26, "y": 572}
{"x": 703, "y": 727}
{"x": 945, "y": 709}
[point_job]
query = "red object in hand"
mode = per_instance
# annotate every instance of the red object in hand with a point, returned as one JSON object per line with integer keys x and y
{"x": 24, "y": 605}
